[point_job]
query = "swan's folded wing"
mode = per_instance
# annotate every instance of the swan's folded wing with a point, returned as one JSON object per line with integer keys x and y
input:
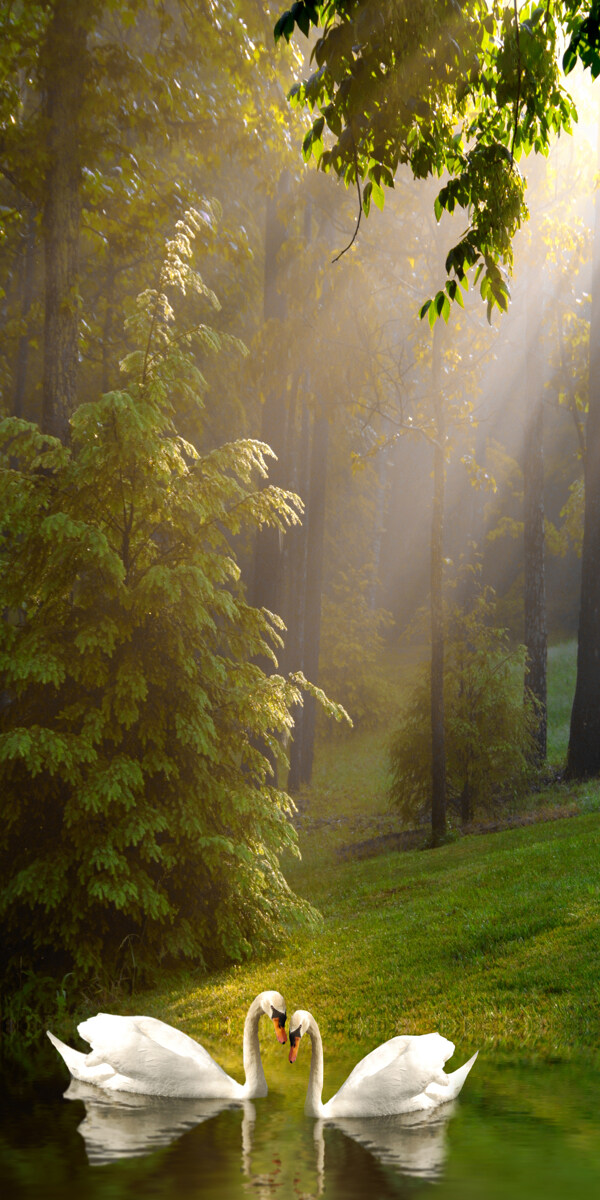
{"x": 395, "y": 1072}
{"x": 174, "y": 1039}
{"x": 123, "y": 1044}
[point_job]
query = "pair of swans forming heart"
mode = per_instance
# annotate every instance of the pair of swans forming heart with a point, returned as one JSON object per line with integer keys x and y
{"x": 144, "y": 1055}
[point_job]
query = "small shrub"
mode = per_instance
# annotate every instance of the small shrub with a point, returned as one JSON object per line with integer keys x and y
{"x": 489, "y": 727}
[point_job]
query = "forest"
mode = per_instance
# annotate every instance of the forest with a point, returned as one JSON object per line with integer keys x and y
{"x": 299, "y": 449}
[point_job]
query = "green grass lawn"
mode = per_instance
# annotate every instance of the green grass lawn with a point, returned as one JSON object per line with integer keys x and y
{"x": 495, "y": 938}
{"x": 492, "y": 938}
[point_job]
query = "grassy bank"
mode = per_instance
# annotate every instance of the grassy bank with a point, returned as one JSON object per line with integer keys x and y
{"x": 492, "y": 939}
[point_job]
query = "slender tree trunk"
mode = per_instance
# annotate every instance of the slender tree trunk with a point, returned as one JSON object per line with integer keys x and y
{"x": 266, "y": 589}
{"x": 28, "y": 261}
{"x": 295, "y": 617}
{"x": 438, "y": 748}
{"x": 108, "y": 326}
{"x": 383, "y": 471}
{"x": 64, "y": 66}
{"x": 536, "y": 639}
{"x": 583, "y": 757}
{"x": 314, "y": 586}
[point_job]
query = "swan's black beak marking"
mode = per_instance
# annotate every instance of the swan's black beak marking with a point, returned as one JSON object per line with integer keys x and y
{"x": 279, "y": 1019}
{"x": 295, "y": 1035}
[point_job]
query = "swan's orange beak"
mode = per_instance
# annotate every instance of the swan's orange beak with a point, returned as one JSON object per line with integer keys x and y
{"x": 294, "y": 1046}
{"x": 279, "y": 1027}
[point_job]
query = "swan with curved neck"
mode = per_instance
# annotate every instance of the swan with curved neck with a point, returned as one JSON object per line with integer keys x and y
{"x": 144, "y": 1055}
{"x": 403, "y": 1075}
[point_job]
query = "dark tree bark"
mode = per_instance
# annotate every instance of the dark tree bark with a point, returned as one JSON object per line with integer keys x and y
{"x": 536, "y": 639}
{"x": 438, "y": 747}
{"x": 64, "y": 68}
{"x": 583, "y": 756}
{"x": 28, "y": 264}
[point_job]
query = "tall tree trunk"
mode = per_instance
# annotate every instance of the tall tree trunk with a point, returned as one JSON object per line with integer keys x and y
{"x": 381, "y": 502}
{"x": 314, "y": 586}
{"x": 295, "y": 613}
{"x": 583, "y": 756}
{"x": 536, "y": 639}
{"x": 438, "y": 747}
{"x": 28, "y": 264}
{"x": 266, "y": 589}
{"x": 64, "y": 66}
{"x": 108, "y": 324}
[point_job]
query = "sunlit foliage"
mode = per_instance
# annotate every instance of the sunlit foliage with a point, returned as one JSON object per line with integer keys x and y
{"x": 463, "y": 89}
{"x": 140, "y": 821}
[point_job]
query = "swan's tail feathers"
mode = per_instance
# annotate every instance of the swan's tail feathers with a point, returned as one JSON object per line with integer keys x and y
{"x": 78, "y": 1063}
{"x": 457, "y": 1078}
{"x": 442, "y": 1092}
{"x": 74, "y": 1060}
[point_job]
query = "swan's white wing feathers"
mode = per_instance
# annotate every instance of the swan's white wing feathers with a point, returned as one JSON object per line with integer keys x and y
{"x": 154, "y": 1056}
{"x": 392, "y": 1076}
{"x": 174, "y": 1039}
{"x": 378, "y": 1060}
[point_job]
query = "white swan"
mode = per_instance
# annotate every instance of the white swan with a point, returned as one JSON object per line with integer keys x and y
{"x": 143, "y": 1055}
{"x": 403, "y": 1075}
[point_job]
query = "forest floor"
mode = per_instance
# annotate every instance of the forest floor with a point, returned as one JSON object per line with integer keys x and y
{"x": 346, "y": 812}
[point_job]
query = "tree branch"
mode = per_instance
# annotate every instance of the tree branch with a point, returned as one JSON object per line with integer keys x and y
{"x": 360, "y": 208}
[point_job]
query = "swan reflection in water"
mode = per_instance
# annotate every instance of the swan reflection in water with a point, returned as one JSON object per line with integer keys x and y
{"x": 413, "y": 1143}
{"x": 127, "y": 1125}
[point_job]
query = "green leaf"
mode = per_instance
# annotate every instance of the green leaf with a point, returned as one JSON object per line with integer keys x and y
{"x": 284, "y": 27}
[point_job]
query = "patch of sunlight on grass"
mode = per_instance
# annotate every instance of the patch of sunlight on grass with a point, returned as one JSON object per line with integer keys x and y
{"x": 493, "y": 939}
{"x": 490, "y": 939}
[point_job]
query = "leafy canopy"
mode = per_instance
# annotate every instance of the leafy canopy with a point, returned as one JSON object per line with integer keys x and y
{"x": 460, "y": 88}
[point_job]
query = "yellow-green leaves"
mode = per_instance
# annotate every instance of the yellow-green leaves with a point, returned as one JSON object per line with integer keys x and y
{"x": 455, "y": 90}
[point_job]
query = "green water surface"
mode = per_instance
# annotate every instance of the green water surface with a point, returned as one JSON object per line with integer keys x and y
{"x": 524, "y": 1126}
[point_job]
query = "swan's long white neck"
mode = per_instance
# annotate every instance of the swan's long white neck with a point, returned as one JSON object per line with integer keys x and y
{"x": 314, "y": 1105}
{"x": 256, "y": 1084}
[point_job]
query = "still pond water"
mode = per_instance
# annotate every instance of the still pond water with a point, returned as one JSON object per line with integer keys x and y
{"x": 524, "y": 1127}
